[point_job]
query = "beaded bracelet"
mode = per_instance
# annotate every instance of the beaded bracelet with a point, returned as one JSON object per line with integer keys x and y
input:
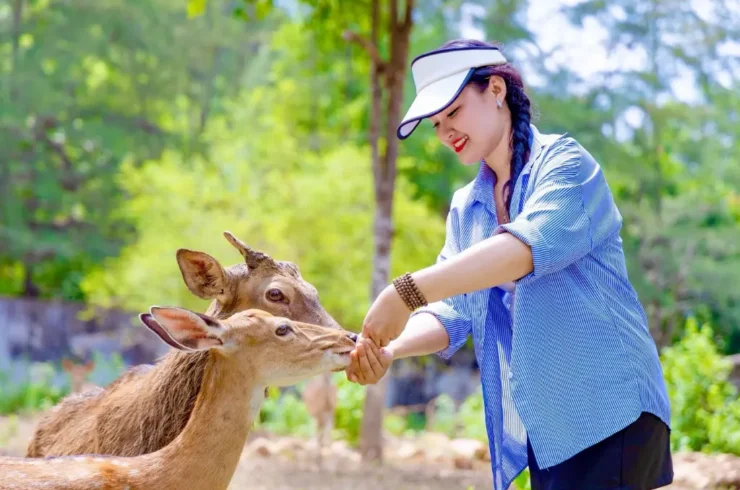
{"x": 409, "y": 292}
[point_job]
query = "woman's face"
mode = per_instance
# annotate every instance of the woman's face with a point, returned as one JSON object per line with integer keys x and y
{"x": 473, "y": 125}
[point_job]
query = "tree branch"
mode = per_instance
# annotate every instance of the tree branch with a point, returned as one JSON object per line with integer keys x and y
{"x": 367, "y": 46}
{"x": 407, "y": 21}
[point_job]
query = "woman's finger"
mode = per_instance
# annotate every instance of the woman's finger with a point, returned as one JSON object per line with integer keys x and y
{"x": 367, "y": 370}
{"x": 373, "y": 354}
{"x": 383, "y": 341}
{"x": 356, "y": 370}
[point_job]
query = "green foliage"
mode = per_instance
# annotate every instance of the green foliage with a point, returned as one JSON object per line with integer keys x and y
{"x": 30, "y": 395}
{"x": 468, "y": 422}
{"x": 522, "y": 482}
{"x": 315, "y": 209}
{"x": 705, "y": 406}
{"x": 350, "y": 406}
{"x": 186, "y": 84}
{"x": 446, "y": 419}
{"x": 8, "y": 429}
{"x": 126, "y": 80}
{"x": 285, "y": 414}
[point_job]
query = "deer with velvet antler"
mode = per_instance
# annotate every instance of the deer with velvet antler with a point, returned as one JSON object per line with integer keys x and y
{"x": 148, "y": 406}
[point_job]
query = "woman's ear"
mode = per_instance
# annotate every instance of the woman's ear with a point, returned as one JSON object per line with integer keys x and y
{"x": 497, "y": 86}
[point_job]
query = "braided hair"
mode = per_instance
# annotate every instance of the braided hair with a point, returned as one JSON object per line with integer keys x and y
{"x": 518, "y": 103}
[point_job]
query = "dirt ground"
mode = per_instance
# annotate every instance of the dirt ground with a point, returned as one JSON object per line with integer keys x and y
{"x": 256, "y": 473}
{"x": 297, "y": 470}
{"x": 289, "y": 464}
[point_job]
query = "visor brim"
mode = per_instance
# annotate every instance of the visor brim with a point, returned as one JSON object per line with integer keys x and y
{"x": 431, "y": 100}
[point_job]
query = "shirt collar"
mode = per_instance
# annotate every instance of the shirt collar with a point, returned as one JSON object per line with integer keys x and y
{"x": 482, "y": 190}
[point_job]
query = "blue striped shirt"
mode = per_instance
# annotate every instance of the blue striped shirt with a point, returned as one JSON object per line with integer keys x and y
{"x": 565, "y": 354}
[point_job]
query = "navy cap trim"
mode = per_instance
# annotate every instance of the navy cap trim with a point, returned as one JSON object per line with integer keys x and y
{"x": 419, "y": 118}
{"x": 447, "y": 50}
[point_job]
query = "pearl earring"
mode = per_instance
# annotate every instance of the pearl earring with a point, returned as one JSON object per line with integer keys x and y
{"x": 498, "y": 103}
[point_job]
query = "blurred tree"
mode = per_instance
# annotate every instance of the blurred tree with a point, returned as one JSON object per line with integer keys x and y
{"x": 294, "y": 203}
{"x": 385, "y": 39}
{"x": 673, "y": 155}
{"x": 91, "y": 84}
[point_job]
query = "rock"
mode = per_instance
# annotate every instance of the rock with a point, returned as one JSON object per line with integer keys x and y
{"x": 409, "y": 451}
{"x": 289, "y": 448}
{"x": 484, "y": 454}
{"x": 341, "y": 449}
{"x": 261, "y": 447}
{"x": 429, "y": 439}
{"x": 462, "y": 463}
{"x": 469, "y": 449}
{"x": 436, "y": 446}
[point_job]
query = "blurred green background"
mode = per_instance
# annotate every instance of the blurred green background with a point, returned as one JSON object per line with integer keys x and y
{"x": 129, "y": 129}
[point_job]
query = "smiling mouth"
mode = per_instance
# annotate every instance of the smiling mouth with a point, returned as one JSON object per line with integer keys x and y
{"x": 459, "y": 144}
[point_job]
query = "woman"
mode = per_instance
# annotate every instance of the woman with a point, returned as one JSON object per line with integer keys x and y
{"x": 533, "y": 268}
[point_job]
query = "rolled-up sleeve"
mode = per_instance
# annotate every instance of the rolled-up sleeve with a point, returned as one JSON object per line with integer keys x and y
{"x": 451, "y": 312}
{"x": 570, "y": 210}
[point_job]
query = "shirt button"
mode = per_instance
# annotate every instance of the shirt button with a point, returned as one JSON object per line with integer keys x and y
{"x": 511, "y": 375}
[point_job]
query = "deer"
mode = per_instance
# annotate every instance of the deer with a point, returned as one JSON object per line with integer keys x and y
{"x": 320, "y": 398}
{"x": 78, "y": 372}
{"x": 241, "y": 356}
{"x": 146, "y": 407}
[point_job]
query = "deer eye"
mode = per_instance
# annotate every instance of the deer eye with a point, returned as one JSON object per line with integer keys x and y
{"x": 282, "y": 330}
{"x": 275, "y": 295}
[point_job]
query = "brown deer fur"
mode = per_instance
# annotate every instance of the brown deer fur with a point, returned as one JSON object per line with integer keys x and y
{"x": 236, "y": 359}
{"x": 148, "y": 406}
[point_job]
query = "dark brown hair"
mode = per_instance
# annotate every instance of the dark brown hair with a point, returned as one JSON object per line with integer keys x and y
{"x": 517, "y": 101}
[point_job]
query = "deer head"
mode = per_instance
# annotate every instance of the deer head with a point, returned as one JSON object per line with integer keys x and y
{"x": 77, "y": 372}
{"x": 260, "y": 282}
{"x": 276, "y": 350}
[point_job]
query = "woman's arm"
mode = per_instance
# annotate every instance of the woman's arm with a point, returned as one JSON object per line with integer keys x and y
{"x": 492, "y": 262}
{"x": 423, "y": 335}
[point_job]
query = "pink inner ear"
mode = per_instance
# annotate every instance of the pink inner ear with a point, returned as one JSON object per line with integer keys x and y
{"x": 187, "y": 328}
{"x": 201, "y": 342}
{"x": 173, "y": 315}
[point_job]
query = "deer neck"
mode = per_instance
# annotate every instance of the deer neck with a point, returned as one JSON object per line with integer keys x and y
{"x": 205, "y": 454}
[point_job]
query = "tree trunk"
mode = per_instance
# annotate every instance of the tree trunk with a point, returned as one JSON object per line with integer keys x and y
{"x": 16, "y": 36}
{"x": 384, "y": 172}
{"x": 30, "y": 290}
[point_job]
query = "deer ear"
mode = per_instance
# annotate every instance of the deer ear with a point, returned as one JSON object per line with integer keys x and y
{"x": 67, "y": 365}
{"x": 89, "y": 365}
{"x": 203, "y": 274}
{"x": 193, "y": 331}
{"x": 148, "y": 320}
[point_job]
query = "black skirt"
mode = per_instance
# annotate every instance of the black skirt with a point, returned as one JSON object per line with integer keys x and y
{"x": 636, "y": 458}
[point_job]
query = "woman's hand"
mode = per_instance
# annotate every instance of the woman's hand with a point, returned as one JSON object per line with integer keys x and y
{"x": 369, "y": 363}
{"x": 386, "y": 318}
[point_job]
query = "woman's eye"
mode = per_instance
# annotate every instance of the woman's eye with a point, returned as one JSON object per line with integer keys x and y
{"x": 282, "y": 330}
{"x": 453, "y": 112}
{"x": 275, "y": 295}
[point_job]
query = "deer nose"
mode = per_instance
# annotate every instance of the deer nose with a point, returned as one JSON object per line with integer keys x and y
{"x": 352, "y": 337}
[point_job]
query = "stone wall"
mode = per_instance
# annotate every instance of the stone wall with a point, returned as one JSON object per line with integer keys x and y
{"x": 39, "y": 330}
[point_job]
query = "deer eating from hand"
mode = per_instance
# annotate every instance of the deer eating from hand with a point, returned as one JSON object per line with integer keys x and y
{"x": 242, "y": 356}
{"x": 115, "y": 422}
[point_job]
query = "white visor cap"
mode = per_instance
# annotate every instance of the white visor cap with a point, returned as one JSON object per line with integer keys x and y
{"x": 439, "y": 77}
